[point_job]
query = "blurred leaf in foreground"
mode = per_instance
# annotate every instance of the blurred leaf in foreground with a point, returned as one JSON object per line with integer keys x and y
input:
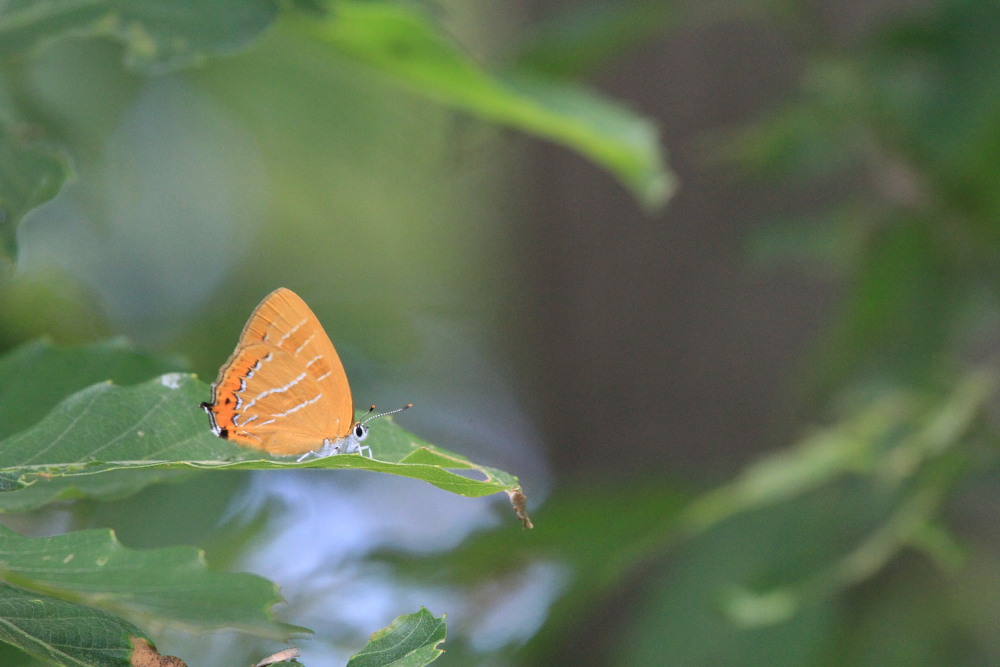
{"x": 163, "y": 587}
{"x": 400, "y": 40}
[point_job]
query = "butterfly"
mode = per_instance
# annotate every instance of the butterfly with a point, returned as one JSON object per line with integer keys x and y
{"x": 284, "y": 389}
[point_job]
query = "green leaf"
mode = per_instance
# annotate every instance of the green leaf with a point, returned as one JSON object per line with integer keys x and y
{"x": 34, "y": 379}
{"x": 400, "y": 40}
{"x": 31, "y": 173}
{"x": 63, "y": 632}
{"x": 12, "y": 655}
{"x": 37, "y": 376}
{"x": 409, "y": 641}
{"x": 170, "y": 587}
{"x": 158, "y": 426}
{"x": 158, "y": 36}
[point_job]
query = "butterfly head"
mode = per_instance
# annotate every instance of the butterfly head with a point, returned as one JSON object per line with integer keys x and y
{"x": 360, "y": 431}
{"x": 351, "y": 443}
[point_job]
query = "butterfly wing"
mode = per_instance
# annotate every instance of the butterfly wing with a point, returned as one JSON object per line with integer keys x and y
{"x": 284, "y": 389}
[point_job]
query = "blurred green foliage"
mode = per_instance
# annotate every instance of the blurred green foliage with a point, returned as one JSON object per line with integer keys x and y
{"x": 398, "y": 39}
{"x": 872, "y": 539}
{"x": 862, "y": 542}
{"x": 859, "y": 544}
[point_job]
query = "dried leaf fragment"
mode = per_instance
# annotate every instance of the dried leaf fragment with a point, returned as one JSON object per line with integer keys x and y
{"x": 280, "y": 656}
{"x": 145, "y": 654}
{"x": 519, "y": 500}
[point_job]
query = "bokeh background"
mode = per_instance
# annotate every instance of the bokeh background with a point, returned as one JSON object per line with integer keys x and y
{"x": 755, "y": 425}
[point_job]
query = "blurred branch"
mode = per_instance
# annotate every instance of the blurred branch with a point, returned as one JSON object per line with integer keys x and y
{"x": 889, "y": 441}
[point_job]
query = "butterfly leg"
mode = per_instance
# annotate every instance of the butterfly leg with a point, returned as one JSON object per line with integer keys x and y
{"x": 328, "y": 449}
{"x": 366, "y": 448}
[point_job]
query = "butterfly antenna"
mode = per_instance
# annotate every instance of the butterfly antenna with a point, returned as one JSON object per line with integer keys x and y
{"x": 370, "y": 416}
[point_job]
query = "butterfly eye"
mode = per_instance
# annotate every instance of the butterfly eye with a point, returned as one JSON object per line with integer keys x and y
{"x": 360, "y": 431}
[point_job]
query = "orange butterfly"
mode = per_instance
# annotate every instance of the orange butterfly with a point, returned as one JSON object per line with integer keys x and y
{"x": 284, "y": 389}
